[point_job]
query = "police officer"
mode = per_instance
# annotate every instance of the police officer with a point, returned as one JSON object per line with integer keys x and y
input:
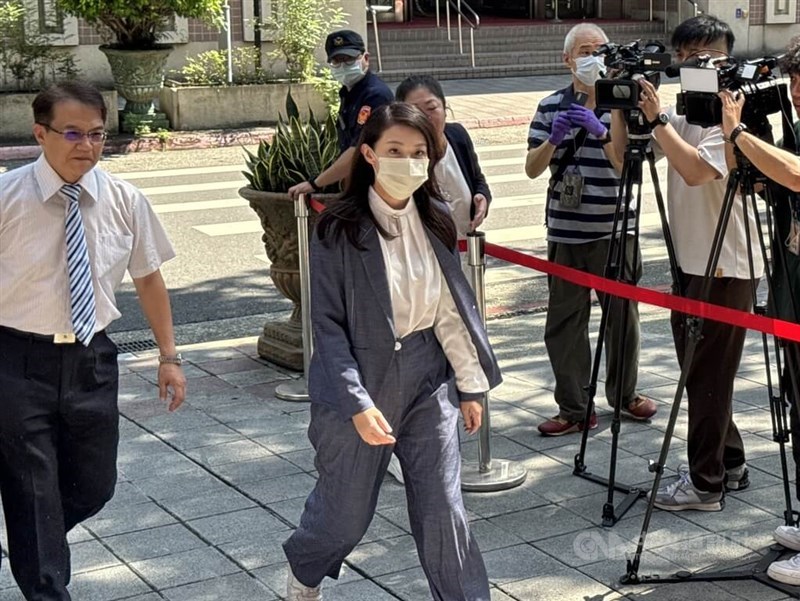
{"x": 362, "y": 92}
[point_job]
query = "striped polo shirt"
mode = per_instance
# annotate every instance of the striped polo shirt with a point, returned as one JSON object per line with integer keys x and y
{"x": 594, "y": 217}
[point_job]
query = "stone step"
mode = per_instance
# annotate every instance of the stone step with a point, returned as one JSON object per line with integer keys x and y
{"x": 621, "y": 31}
{"x": 482, "y": 59}
{"x": 484, "y": 72}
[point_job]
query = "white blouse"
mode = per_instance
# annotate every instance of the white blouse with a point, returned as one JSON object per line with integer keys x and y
{"x": 419, "y": 298}
{"x": 455, "y": 190}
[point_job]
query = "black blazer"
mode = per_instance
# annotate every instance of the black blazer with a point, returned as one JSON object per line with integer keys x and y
{"x": 462, "y": 146}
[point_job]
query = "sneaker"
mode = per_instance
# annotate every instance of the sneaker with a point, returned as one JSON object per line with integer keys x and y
{"x": 395, "y": 470}
{"x": 681, "y": 495}
{"x": 787, "y": 571}
{"x": 641, "y": 408}
{"x": 558, "y": 426}
{"x": 297, "y": 591}
{"x": 738, "y": 478}
{"x": 788, "y": 536}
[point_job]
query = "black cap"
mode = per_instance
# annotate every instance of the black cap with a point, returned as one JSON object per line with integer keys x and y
{"x": 345, "y": 42}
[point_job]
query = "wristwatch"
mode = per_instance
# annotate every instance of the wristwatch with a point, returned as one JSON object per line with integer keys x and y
{"x": 172, "y": 359}
{"x": 735, "y": 133}
{"x": 314, "y": 186}
{"x": 661, "y": 119}
{"x": 607, "y": 138}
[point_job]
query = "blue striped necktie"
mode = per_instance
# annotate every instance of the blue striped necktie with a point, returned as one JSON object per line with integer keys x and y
{"x": 81, "y": 290}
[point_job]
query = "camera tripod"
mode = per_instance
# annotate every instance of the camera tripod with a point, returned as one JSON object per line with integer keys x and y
{"x": 744, "y": 178}
{"x": 637, "y": 151}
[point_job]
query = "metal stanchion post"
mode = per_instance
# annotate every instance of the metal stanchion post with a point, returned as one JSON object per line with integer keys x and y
{"x": 487, "y": 475}
{"x": 297, "y": 390}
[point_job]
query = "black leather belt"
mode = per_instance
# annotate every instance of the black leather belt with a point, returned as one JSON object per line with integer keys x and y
{"x": 61, "y": 338}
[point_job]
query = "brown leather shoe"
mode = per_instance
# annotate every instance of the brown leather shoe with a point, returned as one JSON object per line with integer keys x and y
{"x": 558, "y": 426}
{"x": 640, "y": 408}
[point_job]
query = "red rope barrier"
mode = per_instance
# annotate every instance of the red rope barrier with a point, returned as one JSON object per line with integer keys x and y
{"x": 777, "y": 327}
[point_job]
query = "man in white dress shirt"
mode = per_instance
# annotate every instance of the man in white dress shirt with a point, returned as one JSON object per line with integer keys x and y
{"x": 68, "y": 233}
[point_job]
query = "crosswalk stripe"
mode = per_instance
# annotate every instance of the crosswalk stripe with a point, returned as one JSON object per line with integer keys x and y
{"x": 155, "y": 174}
{"x": 203, "y": 187}
{"x": 501, "y": 147}
{"x": 200, "y": 205}
{"x": 230, "y": 229}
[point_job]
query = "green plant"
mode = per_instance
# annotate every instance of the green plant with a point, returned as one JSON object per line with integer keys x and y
{"x": 298, "y": 27}
{"x": 328, "y": 87}
{"x": 25, "y": 56}
{"x": 136, "y": 23}
{"x": 211, "y": 68}
{"x": 298, "y": 151}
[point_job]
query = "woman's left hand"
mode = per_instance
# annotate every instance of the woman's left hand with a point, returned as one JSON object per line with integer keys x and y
{"x": 473, "y": 415}
{"x": 481, "y": 204}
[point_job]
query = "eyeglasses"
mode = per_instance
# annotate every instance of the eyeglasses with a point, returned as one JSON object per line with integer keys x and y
{"x": 76, "y": 137}
{"x": 338, "y": 61}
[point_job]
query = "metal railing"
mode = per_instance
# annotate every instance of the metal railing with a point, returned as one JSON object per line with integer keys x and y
{"x": 474, "y": 22}
{"x": 374, "y": 9}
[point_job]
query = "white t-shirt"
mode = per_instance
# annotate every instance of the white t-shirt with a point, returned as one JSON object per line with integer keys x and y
{"x": 694, "y": 210}
{"x": 454, "y": 190}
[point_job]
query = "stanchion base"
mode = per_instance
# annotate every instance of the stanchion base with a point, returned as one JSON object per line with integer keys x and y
{"x": 294, "y": 391}
{"x": 504, "y": 474}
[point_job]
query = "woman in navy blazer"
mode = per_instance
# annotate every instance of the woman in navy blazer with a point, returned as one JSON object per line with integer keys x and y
{"x": 399, "y": 350}
{"x": 464, "y": 188}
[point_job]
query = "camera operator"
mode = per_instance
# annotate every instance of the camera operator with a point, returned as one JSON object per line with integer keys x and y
{"x": 783, "y": 168}
{"x": 695, "y": 191}
{"x": 570, "y": 136}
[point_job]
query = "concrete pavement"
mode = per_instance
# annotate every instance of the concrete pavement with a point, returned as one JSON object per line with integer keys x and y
{"x": 207, "y": 495}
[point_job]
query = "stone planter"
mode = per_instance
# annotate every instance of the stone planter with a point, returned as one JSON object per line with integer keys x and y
{"x": 219, "y": 107}
{"x": 138, "y": 75}
{"x": 281, "y": 341}
{"x": 16, "y": 116}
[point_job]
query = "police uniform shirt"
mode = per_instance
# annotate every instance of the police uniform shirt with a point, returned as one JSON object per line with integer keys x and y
{"x": 357, "y": 105}
{"x": 122, "y": 233}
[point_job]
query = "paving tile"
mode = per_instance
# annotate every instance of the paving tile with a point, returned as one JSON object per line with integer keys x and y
{"x": 274, "y": 577}
{"x": 512, "y": 564}
{"x": 202, "y": 437}
{"x": 258, "y": 470}
{"x": 241, "y": 587}
{"x": 280, "y": 489}
{"x": 384, "y": 557}
{"x": 198, "y": 506}
{"x": 410, "y": 585}
{"x": 108, "y": 584}
{"x": 130, "y": 518}
{"x": 242, "y": 525}
{"x": 91, "y": 555}
{"x": 258, "y": 552}
{"x": 184, "y": 568}
{"x": 154, "y": 542}
{"x": 540, "y": 523}
{"x": 229, "y": 452}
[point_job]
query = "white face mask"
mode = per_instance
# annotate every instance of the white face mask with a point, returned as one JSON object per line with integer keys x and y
{"x": 400, "y": 177}
{"x": 348, "y": 75}
{"x": 588, "y": 69}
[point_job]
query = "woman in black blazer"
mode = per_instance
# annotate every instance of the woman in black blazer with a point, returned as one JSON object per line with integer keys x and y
{"x": 460, "y": 178}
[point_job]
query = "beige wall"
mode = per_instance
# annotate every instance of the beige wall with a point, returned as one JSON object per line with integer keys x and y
{"x": 752, "y": 40}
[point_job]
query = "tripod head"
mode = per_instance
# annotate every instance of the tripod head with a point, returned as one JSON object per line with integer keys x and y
{"x": 638, "y": 129}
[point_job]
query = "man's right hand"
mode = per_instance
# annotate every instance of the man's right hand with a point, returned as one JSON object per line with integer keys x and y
{"x": 560, "y": 129}
{"x": 301, "y": 188}
{"x": 373, "y": 428}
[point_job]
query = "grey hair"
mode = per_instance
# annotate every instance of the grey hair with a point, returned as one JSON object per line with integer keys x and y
{"x": 569, "y": 41}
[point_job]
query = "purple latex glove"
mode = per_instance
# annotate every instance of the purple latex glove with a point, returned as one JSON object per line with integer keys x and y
{"x": 580, "y": 116}
{"x": 560, "y": 129}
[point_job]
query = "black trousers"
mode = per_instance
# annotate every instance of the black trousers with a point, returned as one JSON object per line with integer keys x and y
{"x": 59, "y": 430}
{"x": 714, "y": 444}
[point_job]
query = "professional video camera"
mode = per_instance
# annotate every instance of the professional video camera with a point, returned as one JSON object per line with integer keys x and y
{"x": 629, "y": 63}
{"x": 702, "y": 79}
